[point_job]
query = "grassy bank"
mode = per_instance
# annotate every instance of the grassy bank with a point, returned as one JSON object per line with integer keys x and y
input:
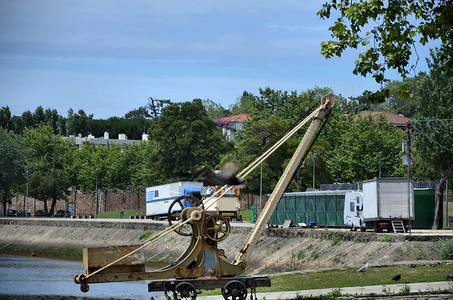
{"x": 116, "y": 214}
{"x": 350, "y": 277}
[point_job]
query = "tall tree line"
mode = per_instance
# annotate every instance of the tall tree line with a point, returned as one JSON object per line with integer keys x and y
{"x": 184, "y": 138}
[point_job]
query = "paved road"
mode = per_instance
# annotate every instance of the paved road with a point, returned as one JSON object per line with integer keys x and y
{"x": 379, "y": 290}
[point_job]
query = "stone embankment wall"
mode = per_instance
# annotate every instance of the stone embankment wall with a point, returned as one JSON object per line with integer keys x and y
{"x": 279, "y": 250}
{"x": 85, "y": 203}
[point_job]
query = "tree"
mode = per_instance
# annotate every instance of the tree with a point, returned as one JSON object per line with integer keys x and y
{"x": 215, "y": 110}
{"x": 27, "y": 119}
{"x": 288, "y": 106}
{"x": 303, "y": 178}
{"x": 387, "y": 32}
{"x": 5, "y": 118}
{"x": 243, "y": 104}
{"x": 39, "y": 116}
{"x": 187, "y": 139}
{"x": 255, "y": 136}
{"x": 352, "y": 159}
{"x": 12, "y": 165}
{"x": 77, "y": 122}
{"x": 46, "y": 158}
{"x": 45, "y": 186}
{"x": 271, "y": 113}
{"x": 141, "y": 112}
{"x": 433, "y": 138}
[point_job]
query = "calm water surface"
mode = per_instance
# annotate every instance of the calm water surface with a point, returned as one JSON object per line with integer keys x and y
{"x": 22, "y": 275}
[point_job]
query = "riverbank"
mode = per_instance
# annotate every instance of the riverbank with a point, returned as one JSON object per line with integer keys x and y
{"x": 283, "y": 250}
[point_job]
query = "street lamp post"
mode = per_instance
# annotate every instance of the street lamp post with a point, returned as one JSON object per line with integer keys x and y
{"x": 314, "y": 170}
{"x": 97, "y": 194}
{"x": 26, "y": 195}
{"x": 261, "y": 185}
{"x": 379, "y": 154}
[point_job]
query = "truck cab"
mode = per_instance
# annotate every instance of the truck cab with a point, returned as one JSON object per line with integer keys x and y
{"x": 353, "y": 211}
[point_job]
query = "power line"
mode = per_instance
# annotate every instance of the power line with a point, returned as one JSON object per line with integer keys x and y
{"x": 431, "y": 120}
{"x": 425, "y": 135}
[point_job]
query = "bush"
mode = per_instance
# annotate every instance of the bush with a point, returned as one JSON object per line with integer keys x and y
{"x": 446, "y": 249}
{"x": 336, "y": 240}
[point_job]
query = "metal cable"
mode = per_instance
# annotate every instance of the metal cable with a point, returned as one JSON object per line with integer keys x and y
{"x": 144, "y": 244}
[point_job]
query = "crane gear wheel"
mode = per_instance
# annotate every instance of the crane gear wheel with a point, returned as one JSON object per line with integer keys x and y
{"x": 216, "y": 227}
{"x": 185, "y": 290}
{"x": 84, "y": 287}
{"x": 234, "y": 290}
{"x": 177, "y": 204}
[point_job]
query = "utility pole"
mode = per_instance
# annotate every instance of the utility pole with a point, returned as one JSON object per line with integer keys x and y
{"x": 314, "y": 170}
{"x": 446, "y": 204}
{"x": 408, "y": 161}
{"x": 97, "y": 194}
{"x": 26, "y": 195}
{"x": 379, "y": 154}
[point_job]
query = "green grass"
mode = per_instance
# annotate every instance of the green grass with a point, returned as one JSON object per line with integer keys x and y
{"x": 246, "y": 215}
{"x": 116, "y": 214}
{"x": 349, "y": 277}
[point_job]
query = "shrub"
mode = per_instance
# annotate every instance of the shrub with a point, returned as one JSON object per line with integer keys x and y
{"x": 446, "y": 249}
{"x": 388, "y": 239}
{"x": 332, "y": 295}
{"x": 336, "y": 240}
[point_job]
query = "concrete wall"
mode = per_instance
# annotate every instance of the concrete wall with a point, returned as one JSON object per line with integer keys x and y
{"x": 86, "y": 203}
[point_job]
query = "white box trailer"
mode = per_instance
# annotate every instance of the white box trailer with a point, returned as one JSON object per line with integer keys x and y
{"x": 382, "y": 204}
{"x": 159, "y": 198}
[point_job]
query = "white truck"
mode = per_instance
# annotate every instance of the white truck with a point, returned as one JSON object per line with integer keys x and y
{"x": 383, "y": 203}
{"x": 160, "y": 197}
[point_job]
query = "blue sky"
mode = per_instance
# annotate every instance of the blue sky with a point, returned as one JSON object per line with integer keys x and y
{"x": 108, "y": 56}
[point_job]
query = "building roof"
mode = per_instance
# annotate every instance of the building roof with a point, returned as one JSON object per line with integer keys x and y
{"x": 237, "y": 118}
{"x": 394, "y": 119}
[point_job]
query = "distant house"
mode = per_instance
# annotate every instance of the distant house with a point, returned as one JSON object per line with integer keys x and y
{"x": 396, "y": 120}
{"x": 232, "y": 124}
{"x": 122, "y": 140}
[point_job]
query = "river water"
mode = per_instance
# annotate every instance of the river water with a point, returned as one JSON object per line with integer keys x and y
{"x": 23, "y": 275}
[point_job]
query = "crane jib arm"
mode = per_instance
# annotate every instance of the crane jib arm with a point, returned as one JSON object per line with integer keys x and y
{"x": 326, "y": 103}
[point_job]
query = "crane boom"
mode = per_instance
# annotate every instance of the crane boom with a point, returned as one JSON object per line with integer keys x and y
{"x": 327, "y": 102}
{"x": 203, "y": 264}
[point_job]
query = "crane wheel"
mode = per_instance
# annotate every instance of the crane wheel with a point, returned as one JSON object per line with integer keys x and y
{"x": 217, "y": 227}
{"x": 234, "y": 290}
{"x": 84, "y": 287}
{"x": 176, "y": 209}
{"x": 185, "y": 290}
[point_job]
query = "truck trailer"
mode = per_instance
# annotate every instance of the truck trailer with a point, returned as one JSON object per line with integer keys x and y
{"x": 160, "y": 197}
{"x": 383, "y": 204}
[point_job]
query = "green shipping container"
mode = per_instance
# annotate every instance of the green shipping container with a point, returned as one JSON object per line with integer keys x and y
{"x": 424, "y": 201}
{"x": 324, "y": 208}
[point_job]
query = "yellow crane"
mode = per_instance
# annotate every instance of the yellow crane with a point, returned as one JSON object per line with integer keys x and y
{"x": 203, "y": 264}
